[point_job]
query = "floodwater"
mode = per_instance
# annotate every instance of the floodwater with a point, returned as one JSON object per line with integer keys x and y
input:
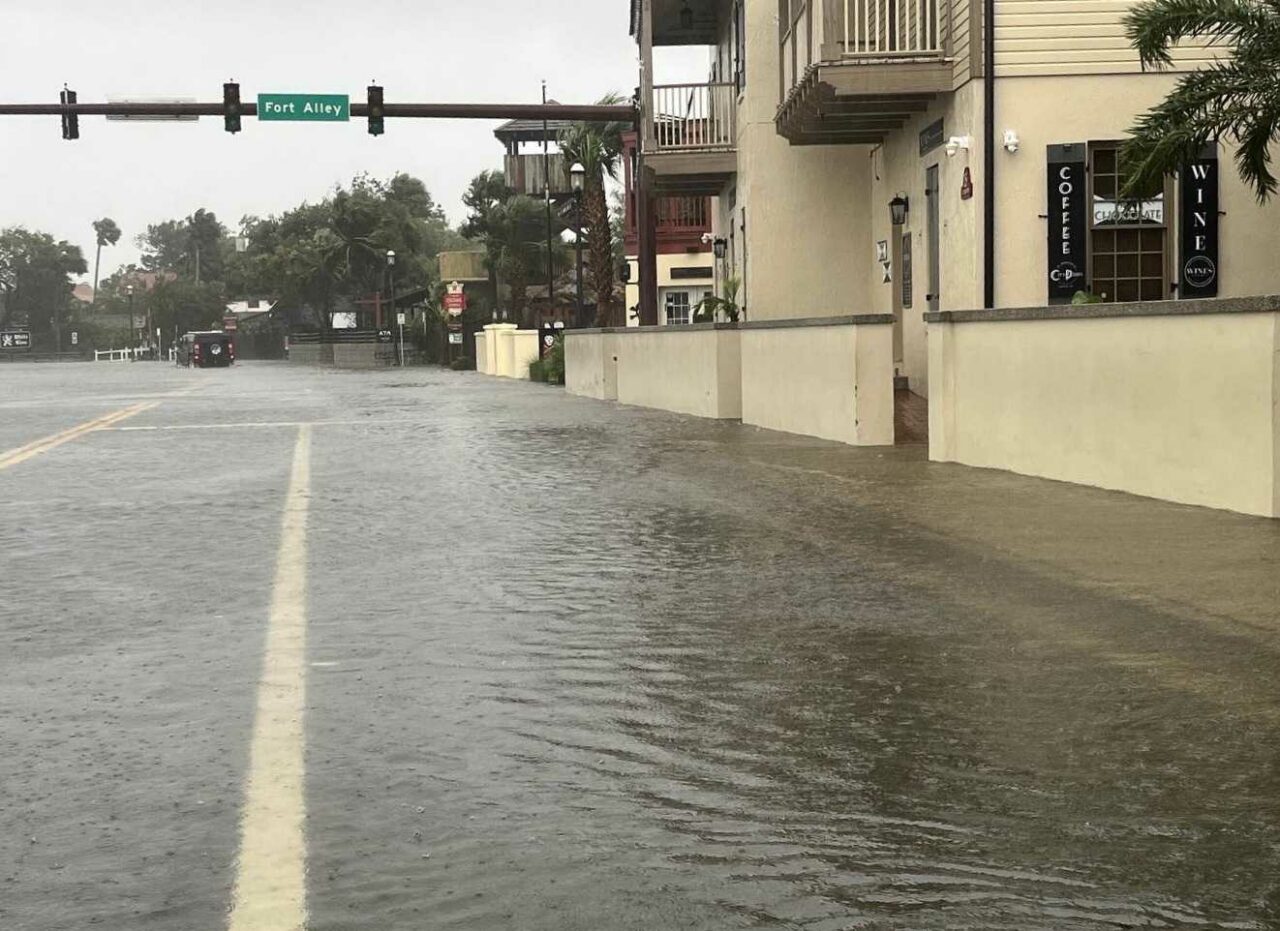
{"x": 572, "y": 665}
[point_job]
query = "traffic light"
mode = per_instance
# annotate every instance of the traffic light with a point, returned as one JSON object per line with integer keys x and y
{"x": 70, "y": 121}
{"x": 231, "y": 106}
{"x": 376, "y": 124}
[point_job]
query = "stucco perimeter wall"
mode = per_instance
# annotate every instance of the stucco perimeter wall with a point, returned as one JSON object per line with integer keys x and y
{"x": 693, "y": 369}
{"x": 524, "y": 350}
{"x": 829, "y": 378}
{"x": 1181, "y": 405}
{"x": 482, "y": 355}
{"x": 590, "y": 366}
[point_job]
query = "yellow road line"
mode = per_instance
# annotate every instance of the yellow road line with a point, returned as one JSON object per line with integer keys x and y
{"x": 36, "y": 447}
{"x": 270, "y": 890}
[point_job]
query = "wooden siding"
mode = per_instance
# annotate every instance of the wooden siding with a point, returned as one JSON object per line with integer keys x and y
{"x": 1045, "y": 37}
{"x": 961, "y": 46}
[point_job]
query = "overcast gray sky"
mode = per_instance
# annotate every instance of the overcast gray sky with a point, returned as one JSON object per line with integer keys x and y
{"x": 419, "y": 50}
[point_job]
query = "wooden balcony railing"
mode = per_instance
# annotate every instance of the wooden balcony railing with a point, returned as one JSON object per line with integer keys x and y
{"x": 885, "y": 28}
{"x": 693, "y": 117}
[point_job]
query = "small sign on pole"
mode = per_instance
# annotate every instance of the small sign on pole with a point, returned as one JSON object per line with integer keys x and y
{"x": 455, "y": 339}
{"x": 400, "y": 317}
{"x": 75, "y": 338}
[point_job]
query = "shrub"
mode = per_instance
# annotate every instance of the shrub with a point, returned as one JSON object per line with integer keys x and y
{"x": 463, "y": 364}
{"x": 537, "y": 371}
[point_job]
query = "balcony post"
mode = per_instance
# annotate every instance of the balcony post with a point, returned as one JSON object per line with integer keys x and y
{"x": 647, "y": 228}
{"x": 646, "y": 218}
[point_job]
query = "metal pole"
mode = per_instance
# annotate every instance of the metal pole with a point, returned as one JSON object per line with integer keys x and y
{"x": 577, "y": 218}
{"x": 546, "y": 187}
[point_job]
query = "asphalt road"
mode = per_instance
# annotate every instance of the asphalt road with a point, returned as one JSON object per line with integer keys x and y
{"x": 285, "y": 648}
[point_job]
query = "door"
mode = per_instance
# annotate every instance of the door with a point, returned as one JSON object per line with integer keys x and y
{"x": 934, "y": 234}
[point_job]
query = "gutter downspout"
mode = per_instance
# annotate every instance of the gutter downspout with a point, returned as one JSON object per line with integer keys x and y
{"x": 989, "y": 154}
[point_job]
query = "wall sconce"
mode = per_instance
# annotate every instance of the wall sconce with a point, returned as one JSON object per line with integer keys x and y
{"x": 956, "y": 143}
{"x": 898, "y": 209}
{"x": 721, "y": 247}
{"x": 1011, "y": 141}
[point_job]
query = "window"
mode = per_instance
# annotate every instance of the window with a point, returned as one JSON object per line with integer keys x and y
{"x": 678, "y": 307}
{"x": 1128, "y": 239}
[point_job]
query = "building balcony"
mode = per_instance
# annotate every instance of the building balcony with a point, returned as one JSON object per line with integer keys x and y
{"x": 681, "y": 224}
{"x": 691, "y": 133}
{"x": 527, "y": 174}
{"x": 855, "y": 70}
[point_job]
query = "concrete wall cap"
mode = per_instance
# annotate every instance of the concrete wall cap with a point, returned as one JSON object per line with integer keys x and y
{"x": 1261, "y": 304}
{"x": 848, "y": 320}
{"x": 680, "y": 328}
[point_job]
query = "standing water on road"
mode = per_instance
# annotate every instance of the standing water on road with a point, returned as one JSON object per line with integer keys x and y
{"x": 570, "y": 665}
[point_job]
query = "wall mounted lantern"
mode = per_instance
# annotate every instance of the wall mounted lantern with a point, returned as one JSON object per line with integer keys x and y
{"x": 898, "y": 208}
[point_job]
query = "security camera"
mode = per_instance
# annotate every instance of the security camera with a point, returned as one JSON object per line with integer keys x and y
{"x": 955, "y": 144}
{"x": 1011, "y": 141}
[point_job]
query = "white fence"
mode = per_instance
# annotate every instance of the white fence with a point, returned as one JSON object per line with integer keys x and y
{"x": 892, "y": 27}
{"x": 121, "y": 355}
{"x": 690, "y": 117}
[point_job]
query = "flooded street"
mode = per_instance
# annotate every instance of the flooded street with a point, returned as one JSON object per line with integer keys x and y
{"x": 570, "y": 665}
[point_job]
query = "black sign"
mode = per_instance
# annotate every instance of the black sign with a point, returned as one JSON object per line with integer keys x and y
{"x": 1067, "y": 217}
{"x": 907, "y": 296}
{"x": 931, "y": 137}
{"x": 15, "y": 339}
{"x": 692, "y": 271}
{"x": 1199, "y": 226}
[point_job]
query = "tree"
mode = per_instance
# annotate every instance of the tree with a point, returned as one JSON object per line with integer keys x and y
{"x": 1237, "y": 97}
{"x": 107, "y": 234}
{"x": 597, "y": 147}
{"x": 35, "y": 278}
{"x": 319, "y": 256}
{"x": 189, "y": 247}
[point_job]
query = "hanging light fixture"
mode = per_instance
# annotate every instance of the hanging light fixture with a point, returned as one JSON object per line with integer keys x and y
{"x": 686, "y": 16}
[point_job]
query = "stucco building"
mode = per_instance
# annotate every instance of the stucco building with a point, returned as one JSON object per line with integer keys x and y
{"x": 913, "y": 192}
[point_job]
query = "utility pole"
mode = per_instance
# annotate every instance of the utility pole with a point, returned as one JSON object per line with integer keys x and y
{"x": 546, "y": 188}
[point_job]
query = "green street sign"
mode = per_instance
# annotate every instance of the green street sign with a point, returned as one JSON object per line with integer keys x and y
{"x": 307, "y": 108}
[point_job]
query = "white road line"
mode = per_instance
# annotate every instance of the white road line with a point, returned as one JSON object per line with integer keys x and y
{"x": 275, "y": 424}
{"x": 270, "y": 890}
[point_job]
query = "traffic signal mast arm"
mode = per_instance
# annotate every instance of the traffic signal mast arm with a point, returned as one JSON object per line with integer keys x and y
{"x": 457, "y": 111}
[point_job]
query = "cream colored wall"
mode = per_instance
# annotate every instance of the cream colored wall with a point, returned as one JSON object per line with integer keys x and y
{"x": 482, "y": 355}
{"x": 1176, "y": 407}
{"x": 832, "y": 382}
{"x": 1102, "y": 108}
{"x": 590, "y": 367}
{"x": 898, "y": 167}
{"x": 806, "y": 208}
{"x": 524, "y": 349}
{"x": 687, "y": 370}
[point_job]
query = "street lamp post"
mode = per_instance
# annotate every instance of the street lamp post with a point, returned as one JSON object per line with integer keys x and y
{"x": 391, "y": 287}
{"x": 578, "y": 178}
{"x": 133, "y": 337}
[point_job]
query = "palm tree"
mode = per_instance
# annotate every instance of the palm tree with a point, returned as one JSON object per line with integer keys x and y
{"x": 1237, "y": 97}
{"x": 518, "y": 239}
{"x": 108, "y": 234}
{"x": 597, "y": 147}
